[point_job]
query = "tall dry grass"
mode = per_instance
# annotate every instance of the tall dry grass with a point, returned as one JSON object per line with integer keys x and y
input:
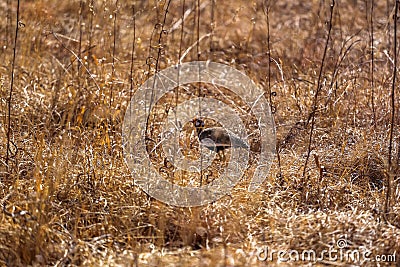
{"x": 67, "y": 196}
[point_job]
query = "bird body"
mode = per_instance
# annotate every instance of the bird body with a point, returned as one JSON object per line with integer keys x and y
{"x": 217, "y": 138}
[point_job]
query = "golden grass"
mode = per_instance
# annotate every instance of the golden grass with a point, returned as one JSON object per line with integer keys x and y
{"x": 69, "y": 199}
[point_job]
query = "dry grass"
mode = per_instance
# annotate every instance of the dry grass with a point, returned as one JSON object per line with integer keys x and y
{"x": 67, "y": 196}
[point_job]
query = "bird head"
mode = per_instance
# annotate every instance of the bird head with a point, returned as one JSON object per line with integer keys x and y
{"x": 198, "y": 124}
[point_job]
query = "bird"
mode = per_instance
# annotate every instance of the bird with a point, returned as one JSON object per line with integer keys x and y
{"x": 217, "y": 138}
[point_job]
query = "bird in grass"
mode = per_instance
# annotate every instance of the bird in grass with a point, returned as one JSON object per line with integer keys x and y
{"x": 217, "y": 138}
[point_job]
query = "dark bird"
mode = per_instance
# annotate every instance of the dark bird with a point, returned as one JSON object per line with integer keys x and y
{"x": 217, "y": 138}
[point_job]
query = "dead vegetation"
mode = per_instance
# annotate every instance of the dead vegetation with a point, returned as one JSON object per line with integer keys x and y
{"x": 67, "y": 196}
